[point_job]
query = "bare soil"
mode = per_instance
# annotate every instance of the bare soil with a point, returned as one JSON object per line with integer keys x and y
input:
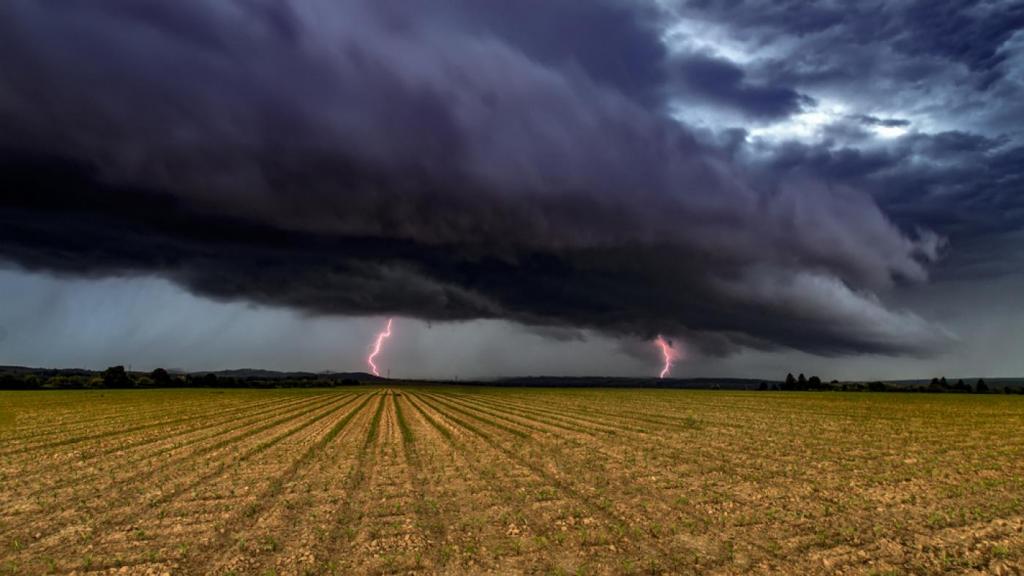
{"x": 433, "y": 480}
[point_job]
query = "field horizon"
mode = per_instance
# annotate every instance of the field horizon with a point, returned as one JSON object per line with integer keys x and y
{"x": 264, "y": 377}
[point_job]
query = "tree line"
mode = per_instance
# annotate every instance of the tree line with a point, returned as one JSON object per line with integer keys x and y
{"x": 937, "y": 385}
{"x": 116, "y": 377}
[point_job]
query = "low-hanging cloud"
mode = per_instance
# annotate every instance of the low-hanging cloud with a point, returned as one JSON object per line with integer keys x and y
{"x": 355, "y": 158}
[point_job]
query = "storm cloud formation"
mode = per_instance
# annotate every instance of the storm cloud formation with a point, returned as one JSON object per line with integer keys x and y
{"x": 722, "y": 83}
{"x": 457, "y": 160}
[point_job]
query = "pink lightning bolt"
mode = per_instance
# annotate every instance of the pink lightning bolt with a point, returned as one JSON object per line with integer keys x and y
{"x": 376, "y": 347}
{"x": 668, "y": 353}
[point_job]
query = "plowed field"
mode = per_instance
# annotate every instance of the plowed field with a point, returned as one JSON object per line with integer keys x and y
{"x": 375, "y": 480}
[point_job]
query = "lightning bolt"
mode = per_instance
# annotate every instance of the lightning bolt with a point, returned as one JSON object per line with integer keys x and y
{"x": 376, "y": 347}
{"x": 668, "y": 353}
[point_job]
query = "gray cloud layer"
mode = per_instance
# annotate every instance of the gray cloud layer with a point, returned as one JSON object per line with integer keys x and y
{"x": 724, "y": 84}
{"x": 357, "y": 157}
{"x": 949, "y": 75}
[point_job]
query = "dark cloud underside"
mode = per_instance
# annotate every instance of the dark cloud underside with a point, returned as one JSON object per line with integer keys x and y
{"x": 456, "y": 160}
{"x": 724, "y": 84}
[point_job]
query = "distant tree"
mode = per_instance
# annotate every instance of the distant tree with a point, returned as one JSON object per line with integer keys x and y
{"x": 801, "y": 381}
{"x": 790, "y": 383}
{"x": 116, "y": 377}
{"x": 814, "y": 383}
{"x": 763, "y": 386}
{"x": 981, "y": 387}
{"x": 877, "y": 387}
{"x": 942, "y": 382}
{"x": 160, "y": 377}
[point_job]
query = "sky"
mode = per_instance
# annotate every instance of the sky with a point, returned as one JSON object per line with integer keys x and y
{"x": 528, "y": 187}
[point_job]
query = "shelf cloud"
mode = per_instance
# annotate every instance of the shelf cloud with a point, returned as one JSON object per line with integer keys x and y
{"x": 448, "y": 162}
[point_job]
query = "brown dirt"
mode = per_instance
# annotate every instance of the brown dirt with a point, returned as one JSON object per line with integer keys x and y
{"x": 510, "y": 481}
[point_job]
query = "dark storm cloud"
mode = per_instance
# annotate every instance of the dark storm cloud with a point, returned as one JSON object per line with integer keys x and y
{"x": 348, "y": 158}
{"x": 968, "y": 32}
{"x": 615, "y": 42}
{"x": 928, "y": 113}
{"x": 965, "y": 185}
{"x": 869, "y": 120}
{"x": 722, "y": 83}
{"x": 875, "y": 50}
{"x": 795, "y": 16}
